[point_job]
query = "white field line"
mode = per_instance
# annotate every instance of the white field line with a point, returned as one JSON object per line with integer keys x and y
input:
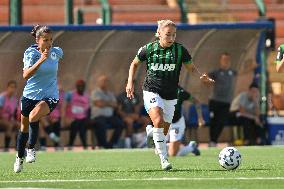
{"x": 142, "y": 179}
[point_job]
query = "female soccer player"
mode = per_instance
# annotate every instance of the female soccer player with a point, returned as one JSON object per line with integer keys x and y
{"x": 164, "y": 58}
{"x": 40, "y": 95}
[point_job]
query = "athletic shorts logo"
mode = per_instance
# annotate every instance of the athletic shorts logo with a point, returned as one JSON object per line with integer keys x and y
{"x": 153, "y": 100}
{"x": 177, "y": 130}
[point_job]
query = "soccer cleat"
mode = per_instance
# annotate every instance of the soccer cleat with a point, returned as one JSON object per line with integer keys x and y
{"x": 149, "y": 132}
{"x": 166, "y": 166}
{"x": 195, "y": 149}
{"x": 18, "y": 165}
{"x": 31, "y": 155}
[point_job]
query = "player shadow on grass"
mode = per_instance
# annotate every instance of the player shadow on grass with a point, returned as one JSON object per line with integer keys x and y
{"x": 158, "y": 170}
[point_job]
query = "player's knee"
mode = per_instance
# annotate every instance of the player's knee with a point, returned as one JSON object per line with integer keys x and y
{"x": 33, "y": 116}
{"x": 24, "y": 128}
{"x": 158, "y": 121}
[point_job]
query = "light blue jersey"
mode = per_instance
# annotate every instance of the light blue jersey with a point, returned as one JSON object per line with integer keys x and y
{"x": 43, "y": 84}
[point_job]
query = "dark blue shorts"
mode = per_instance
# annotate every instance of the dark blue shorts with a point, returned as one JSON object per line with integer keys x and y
{"x": 27, "y": 105}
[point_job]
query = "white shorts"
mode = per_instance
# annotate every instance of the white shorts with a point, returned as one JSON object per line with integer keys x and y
{"x": 176, "y": 130}
{"x": 152, "y": 100}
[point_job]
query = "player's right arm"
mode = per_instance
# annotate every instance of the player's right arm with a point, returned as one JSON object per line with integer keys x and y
{"x": 140, "y": 57}
{"x": 130, "y": 84}
{"x": 30, "y": 71}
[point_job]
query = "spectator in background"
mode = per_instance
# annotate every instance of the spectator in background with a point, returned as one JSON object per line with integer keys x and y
{"x": 103, "y": 106}
{"x": 129, "y": 111}
{"x": 219, "y": 103}
{"x": 246, "y": 106}
{"x": 8, "y": 108}
{"x": 76, "y": 105}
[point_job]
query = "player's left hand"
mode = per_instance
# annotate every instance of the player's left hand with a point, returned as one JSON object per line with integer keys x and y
{"x": 206, "y": 79}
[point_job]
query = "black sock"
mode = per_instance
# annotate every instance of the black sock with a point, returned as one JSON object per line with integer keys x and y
{"x": 7, "y": 141}
{"x": 21, "y": 143}
{"x": 33, "y": 134}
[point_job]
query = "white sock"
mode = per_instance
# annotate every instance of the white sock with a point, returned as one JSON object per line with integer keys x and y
{"x": 185, "y": 150}
{"x": 149, "y": 130}
{"x": 160, "y": 142}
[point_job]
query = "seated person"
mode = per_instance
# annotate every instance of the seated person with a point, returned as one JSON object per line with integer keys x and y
{"x": 103, "y": 106}
{"x": 247, "y": 112}
{"x": 8, "y": 109}
{"x": 129, "y": 111}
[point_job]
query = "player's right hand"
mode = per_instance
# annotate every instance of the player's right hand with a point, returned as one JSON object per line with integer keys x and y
{"x": 130, "y": 90}
{"x": 44, "y": 55}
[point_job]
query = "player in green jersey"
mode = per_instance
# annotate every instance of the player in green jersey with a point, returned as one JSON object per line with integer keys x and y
{"x": 164, "y": 58}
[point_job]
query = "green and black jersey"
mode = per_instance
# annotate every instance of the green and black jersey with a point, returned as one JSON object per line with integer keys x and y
{"x": 163, "y": 67}
{"x": 182, "y": 95}
{"x": 280, "y": 53}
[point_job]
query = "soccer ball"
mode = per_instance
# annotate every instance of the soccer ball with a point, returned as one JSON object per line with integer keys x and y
{"x": 230, "y": 158}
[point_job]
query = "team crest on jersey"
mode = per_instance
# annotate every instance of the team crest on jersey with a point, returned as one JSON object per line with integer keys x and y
{"x": 53, "y": 55}
{"x": 162, "y": 67}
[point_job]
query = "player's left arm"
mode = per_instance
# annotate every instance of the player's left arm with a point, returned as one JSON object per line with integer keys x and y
{"x": 189, "y": 65}
{"x": 187, "y": 62}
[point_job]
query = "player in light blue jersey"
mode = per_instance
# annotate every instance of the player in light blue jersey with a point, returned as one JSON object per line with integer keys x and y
{"x": 40, "y": 95}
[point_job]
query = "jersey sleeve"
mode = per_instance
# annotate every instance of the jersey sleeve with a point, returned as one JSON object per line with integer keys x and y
{"x": 279, "y": 56}
{"x": 141, "y": 54}
{"x": 59, "y": 52}
{"x": 29, "y": 58}
{"x": 186, "y": 57}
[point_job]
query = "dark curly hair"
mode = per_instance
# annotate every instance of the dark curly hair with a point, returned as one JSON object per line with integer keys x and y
{"x": 38, "y": 30}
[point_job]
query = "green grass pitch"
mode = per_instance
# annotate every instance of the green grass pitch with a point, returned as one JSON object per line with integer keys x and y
{"x": 262, "y": 167}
